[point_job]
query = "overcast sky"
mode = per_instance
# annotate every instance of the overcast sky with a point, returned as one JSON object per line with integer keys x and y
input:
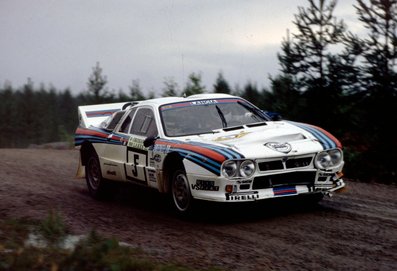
{"x": 59, "y": 42}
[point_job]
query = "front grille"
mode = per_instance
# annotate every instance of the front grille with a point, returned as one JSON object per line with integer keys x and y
{"x": 285, "y": 163}
{"x": 272, "y": 165}
{"x": 292, "y": 178}
{"x": 298, "y": 162}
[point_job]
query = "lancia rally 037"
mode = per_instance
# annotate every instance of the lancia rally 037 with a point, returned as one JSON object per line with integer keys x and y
{"x": 212, "y": 147}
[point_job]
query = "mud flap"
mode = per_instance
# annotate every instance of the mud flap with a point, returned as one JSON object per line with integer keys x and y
{"x": 80, "y": 170}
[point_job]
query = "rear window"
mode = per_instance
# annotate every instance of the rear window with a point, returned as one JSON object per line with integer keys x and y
{"x": 111, "y": 122}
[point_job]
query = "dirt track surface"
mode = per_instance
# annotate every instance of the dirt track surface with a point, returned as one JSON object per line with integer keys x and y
{"x": 355, "y": 230}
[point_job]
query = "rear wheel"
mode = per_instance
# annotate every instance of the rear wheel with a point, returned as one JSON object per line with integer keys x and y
{"x": 95, "y": 182}
{"x": 180, "y": 190}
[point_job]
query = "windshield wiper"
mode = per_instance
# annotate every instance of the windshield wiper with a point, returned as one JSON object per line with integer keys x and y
{"x": 224, "y": 123}
{"x": 257, "y": 112}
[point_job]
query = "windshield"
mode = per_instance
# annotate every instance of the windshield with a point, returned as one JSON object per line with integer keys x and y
{"x": 205, "y": 116}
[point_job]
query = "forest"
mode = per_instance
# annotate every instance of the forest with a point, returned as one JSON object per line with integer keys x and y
{"x": 329, "y": 76}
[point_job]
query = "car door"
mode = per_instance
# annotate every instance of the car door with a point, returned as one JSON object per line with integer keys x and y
{"x": 137, "y": 161}
{"x": 114, "y": 152}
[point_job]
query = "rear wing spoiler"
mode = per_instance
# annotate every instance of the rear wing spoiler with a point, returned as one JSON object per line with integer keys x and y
{"x": 94, "y": 115}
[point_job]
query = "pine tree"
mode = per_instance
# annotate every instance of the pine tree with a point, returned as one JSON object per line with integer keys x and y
{"x": 221, "y": 85}
{"x": 8, "y": 121}
{"x": 284, "y": 98}
{"x": 291, "y": 61}
{"x": 27, "y": 116}
{"x": 67, "y": 112}
{"x": 252, "y": 94}
{"x": 97, "y": 93}
{"x": 170, "y": 88}
{"x": 307, "y": 58}
{"x": 379, "y": 48}
{"x": 136, "y": 92}
{"x": 378, "y": 104}
{"x": 194, "y": 85}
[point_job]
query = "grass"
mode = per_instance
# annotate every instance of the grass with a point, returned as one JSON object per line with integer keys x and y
{"x": 94, "y": 252}
{"x": 53, "y": 228}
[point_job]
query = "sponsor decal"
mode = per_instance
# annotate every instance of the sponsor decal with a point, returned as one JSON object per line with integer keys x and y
{"x": 205, "y": 185}
{"x": 157, "y": 158}
{"x": 165, "y": 107}
{"x": 136, "y": 143}
{"x": 111, "y": 172}
{"x": 151, "y": 162}
{"x": 242, "y": 196}
{"x": 282, "y": 191}
{"x": 152, "y": 175}
{"x": 110, "y": 165}
{"x": 280, "y": 147}
{"x": 161, "y": 148}
{"x": 230, "y": 137}
{"x": 198, "y": 103}
{"x": 205, "y": 102}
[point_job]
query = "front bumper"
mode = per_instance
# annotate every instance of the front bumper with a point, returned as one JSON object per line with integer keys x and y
{"x": 288, "y": 184}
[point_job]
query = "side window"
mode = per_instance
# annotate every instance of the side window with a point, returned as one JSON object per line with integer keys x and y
{"x": 126, "y": 124}
{"x": 115, "y": 120}
{"x": 144, "y": 123}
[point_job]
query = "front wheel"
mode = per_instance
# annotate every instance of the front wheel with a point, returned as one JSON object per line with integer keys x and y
{"x": 180, "y": 191}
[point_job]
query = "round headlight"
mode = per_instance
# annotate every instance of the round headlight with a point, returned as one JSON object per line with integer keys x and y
{"x": 247, "y": 168}
{"x": 323, "y": 160}
{"x": 336, "y": 157}
{"x": 229, "y": 169}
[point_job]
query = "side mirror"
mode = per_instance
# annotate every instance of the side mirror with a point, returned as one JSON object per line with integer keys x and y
{"x": 149, "y": 141}
{"x": 274, "y": 116}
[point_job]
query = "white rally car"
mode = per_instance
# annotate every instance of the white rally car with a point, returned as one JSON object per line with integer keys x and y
{"x": 212, "y": 147}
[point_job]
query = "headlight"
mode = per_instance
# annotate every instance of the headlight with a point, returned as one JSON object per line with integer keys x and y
{"x": 336, "y": 156}
{"x": 229, "y": 169}
{"x": 328, "y": 159}
{"x": 247, "y": 168}
{"x": 238, "y": 168}
{"x": 323, "y": 160}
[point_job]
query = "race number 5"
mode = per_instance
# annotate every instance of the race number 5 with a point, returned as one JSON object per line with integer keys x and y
{"x": 135, "y": 164}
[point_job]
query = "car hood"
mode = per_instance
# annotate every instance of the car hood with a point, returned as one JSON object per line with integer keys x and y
{"x": 273, "y": 139}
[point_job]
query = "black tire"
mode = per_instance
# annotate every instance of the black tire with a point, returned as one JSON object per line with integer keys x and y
{"x": 180, "y": 191}
{"x": 97, "y": 185}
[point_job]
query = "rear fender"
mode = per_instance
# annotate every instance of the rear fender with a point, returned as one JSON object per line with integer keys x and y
{"x": 85, "y": 149}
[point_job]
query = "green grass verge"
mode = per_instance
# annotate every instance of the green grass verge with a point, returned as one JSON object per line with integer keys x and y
{"x": 94, "y": 252}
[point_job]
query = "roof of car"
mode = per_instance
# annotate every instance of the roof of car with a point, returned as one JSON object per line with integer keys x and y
{"x": 166, "y": 100}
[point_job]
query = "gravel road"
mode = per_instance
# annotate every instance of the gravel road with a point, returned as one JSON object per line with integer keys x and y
{"x": 354, "y": 230}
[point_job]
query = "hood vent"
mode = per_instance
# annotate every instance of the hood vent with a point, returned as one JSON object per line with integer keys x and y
{"x": 233, "y": 128}
{"x": 287, "y": 138}
{"x": 256, "y": 124}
